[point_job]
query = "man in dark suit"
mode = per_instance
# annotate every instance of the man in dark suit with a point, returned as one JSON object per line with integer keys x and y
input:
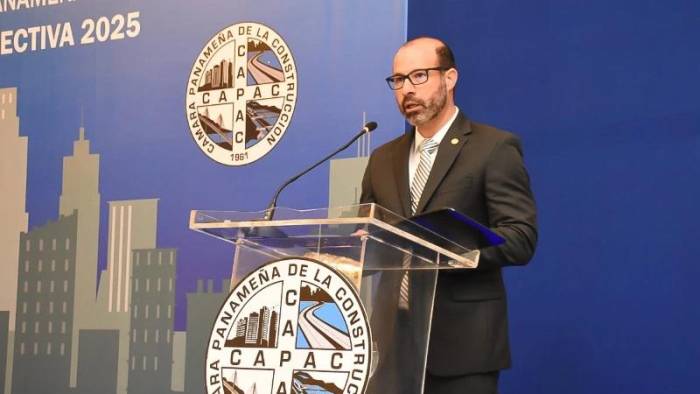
{"x": 446, "y": 160}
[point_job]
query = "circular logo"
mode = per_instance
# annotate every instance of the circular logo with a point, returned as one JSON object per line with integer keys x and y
{"x": 241, "y": 93}
{"x": 292, "y": 326}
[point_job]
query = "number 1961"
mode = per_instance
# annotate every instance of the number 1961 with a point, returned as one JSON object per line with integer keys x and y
{"x": 118, "y": 27}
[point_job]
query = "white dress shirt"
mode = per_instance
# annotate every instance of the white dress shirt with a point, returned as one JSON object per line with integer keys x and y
{"x": 414, "y": 156}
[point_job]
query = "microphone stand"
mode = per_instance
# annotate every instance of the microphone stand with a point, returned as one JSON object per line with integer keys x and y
{"x": 273, "y": 203}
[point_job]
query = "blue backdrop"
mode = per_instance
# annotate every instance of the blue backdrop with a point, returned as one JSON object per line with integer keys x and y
{"x": 132, "y": 95}
{"x": 129, "y": 94}
{"x": 605, "y": 97}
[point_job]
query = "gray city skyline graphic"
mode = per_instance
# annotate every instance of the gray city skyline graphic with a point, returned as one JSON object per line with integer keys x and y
{"x": 56, "y": 334}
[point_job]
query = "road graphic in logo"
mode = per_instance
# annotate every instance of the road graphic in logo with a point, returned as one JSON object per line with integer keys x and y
{"x": 321, "y": 324}
{"x": 292, "y": 326}
{"x": 241, "y": 93}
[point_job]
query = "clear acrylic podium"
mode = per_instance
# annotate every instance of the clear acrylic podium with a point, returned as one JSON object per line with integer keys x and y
{"x": 392, "y": 262}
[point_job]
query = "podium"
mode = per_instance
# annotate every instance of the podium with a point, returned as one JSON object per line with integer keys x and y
{"x": 334, "y": 300}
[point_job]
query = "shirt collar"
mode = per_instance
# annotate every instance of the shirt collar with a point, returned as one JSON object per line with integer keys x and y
{"x": 418, "y": 138}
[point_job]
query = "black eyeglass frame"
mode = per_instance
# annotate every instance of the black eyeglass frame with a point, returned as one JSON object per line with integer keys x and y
{"x": 408, "y": 77}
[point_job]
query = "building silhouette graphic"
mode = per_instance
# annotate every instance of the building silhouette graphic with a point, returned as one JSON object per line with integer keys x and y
{"x": 61, "y": 332}
{"x": 202, "y": 308}
{"x": 219, "y": 77}
{"x": 345, "y": 178}
{"x": 264, "y": 326}
{"x": 258, "y": 329}
{"x": 79, "y": 192}
{"x": 274, "y": 319}
{"x": 152, "y": 307}
{"x": 45, "y": 300}
{"x": 251, "y": 335}
{"x": 132, "y": 225}
{"x": 97, "y": 362}
{"x": 241, "y": 327}
{"x": 13, "y": 154}
{"x": 53, "y": 283}
{"x": 177, "y": 382}
{"x": 345, "y": 182}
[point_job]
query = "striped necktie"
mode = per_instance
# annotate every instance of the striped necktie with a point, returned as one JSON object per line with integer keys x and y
{"x": 427, "y": 148}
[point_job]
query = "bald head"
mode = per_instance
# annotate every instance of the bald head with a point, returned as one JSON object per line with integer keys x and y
{"x": 445, "y": 57}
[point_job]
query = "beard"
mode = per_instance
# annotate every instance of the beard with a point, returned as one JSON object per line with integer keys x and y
{"x": 423, "y": 111}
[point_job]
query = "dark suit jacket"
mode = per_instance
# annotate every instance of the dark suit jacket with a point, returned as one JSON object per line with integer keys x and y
{"x": 484, "y": 177}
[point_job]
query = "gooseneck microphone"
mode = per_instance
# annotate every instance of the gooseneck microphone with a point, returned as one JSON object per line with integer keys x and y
{"x": 369, "y": 126}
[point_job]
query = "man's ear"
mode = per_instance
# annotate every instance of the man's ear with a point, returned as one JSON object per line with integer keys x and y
{"x": 451, "y": 77}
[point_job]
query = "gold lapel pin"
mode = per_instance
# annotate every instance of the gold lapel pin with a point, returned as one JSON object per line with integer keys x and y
{"x": 454, "y": 141}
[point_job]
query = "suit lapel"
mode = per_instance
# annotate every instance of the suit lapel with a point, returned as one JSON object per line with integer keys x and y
{"x": 446, "y": 155}
{"x": 400, "y": 161}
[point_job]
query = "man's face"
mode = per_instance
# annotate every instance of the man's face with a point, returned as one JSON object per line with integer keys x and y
{"x": 419, "y": 103}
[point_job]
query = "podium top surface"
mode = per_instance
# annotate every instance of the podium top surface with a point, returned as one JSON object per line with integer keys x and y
{"x": 337, "y": 227}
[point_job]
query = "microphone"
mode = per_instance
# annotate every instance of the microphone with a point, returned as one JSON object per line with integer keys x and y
{"x": 369, "y": 126}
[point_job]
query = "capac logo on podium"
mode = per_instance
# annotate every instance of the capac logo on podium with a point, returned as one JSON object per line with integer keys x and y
{"x": 294, "y": 325}
{"x": 241, "y": 93}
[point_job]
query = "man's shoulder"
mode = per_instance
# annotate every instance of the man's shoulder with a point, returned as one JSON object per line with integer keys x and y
{"x": 492, "y": 133}
{"x": 491, "y": 140}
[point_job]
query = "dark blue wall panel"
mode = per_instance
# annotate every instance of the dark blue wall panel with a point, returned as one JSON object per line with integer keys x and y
{"x": 605, "y": 97}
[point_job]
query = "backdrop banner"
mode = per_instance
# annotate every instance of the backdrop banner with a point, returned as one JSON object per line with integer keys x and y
{"x": 119, "y": 117}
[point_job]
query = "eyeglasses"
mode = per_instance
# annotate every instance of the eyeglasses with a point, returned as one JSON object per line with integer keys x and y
{"x": 417, "y": 77}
